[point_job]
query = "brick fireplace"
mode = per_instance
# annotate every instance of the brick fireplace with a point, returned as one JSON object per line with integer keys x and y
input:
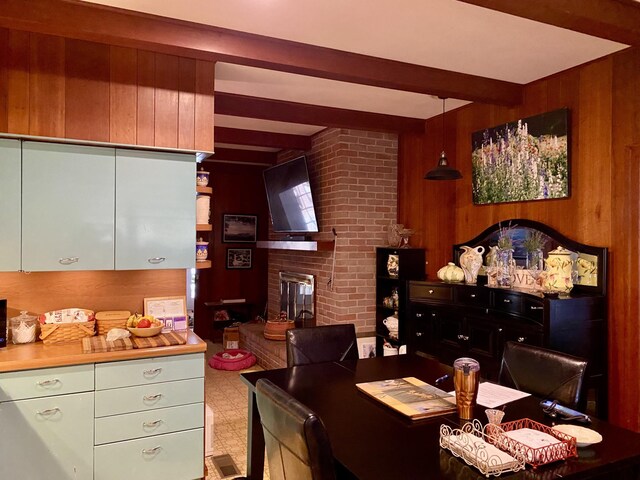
{"x": 354, "y": 183}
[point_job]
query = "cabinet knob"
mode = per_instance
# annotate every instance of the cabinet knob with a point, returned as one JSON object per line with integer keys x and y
{"x": 521, "y": 339}
{"x": 463, "y": 337}
{"x": 152, "y": 398}
{"x": 48, "y": 412}
{"x": 499, "y": 330}
{"x": 418, "y": 315}
{"x": 473, "y": 295}
{"x": 433, "y": 315}
{"x": 506, "y": 300}
{"x": 430, "y": 292}
{"x": 48, "y": 383}
{"x": 68, "y": 260}
{"x": 418, "y": 334}
{"x": 156, "y": 260}
{"x": 151, "y": 451}
{"x": 536, "y": 308}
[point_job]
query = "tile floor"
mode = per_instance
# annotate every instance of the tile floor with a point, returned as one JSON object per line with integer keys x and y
{"x": 227, "y": 396}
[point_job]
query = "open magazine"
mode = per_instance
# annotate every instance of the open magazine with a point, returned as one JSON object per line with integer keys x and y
{"x": 411, "y": 397}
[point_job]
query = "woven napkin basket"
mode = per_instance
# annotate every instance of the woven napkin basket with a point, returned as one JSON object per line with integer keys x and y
{"x": 105, "y": 321}
{"x": 66, "y": 332}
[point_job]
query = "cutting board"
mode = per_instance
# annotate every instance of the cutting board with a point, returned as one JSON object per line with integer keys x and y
{"x": 160, "y": 340}
{"x": 99, "y": 344}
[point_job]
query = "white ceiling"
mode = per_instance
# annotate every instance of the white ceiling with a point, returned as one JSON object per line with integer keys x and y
{"x": 443, "y": 34}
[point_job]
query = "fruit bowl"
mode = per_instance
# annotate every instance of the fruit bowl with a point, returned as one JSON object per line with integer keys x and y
{"x": 145, "y": 332}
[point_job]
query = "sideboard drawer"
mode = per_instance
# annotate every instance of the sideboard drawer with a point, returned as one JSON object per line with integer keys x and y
{"x": 507, "y": 302}
{"x": 144, "y": 397}
{"x": 149, "y": 370}
{"x": 473, "y": 296}
{"x": 419, "y": 291}
{"x": 158, "y": 421}
{"x": 174, "y": 456}
{"x": 534, "y": 309}
{"x": 45, "y": 382}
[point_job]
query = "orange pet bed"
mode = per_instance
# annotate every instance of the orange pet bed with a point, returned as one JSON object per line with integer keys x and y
{"x": 232, "y": 360}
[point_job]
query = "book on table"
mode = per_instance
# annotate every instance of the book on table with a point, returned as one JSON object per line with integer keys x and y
{"x": 411, "y": 397}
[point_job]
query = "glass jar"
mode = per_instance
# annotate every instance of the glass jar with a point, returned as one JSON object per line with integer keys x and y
{"x": 23, "y": 328}
{"x": 504, "y": 267}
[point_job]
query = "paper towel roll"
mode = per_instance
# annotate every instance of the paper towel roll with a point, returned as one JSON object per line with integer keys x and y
{"x": 202, "y": 209}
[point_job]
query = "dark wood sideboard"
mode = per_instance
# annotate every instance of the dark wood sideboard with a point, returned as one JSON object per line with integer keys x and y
{"x": 447, "y": 321}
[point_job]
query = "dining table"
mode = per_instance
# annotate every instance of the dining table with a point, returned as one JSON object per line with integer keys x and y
{"x": 371, "y": 441}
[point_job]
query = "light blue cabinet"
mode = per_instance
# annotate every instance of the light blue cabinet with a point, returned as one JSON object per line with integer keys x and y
{"x": 10, "y": 197}
{"x": 67, "y": 207}
{"x": 155, "y": 210}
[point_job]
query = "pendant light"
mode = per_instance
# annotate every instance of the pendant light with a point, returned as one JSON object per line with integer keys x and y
{"x": 443, "y": 171}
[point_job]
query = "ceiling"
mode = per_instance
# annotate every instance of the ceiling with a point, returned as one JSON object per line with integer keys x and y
{"x": 443, "y": 34}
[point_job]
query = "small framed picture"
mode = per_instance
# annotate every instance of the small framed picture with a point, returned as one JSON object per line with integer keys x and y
{"x": 239, "y": 228}
{"x": 238, "y": 258}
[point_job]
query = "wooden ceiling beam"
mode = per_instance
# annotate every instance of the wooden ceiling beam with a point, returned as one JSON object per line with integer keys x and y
{"x": 98, "y": 23}
{"x": 281, "y": 111}
{"x": 257, "y": 138}
{"x": 617, "y": 20}
{"x": 236, "y": 155}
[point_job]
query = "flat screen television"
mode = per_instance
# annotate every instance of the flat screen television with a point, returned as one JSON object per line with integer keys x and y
{"x": 289, "y": 197}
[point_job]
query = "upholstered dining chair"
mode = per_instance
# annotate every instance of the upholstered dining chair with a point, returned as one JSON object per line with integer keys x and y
{"x": 545, "y": 373}
{"x": 296, "y": 441}
{"x": 325, "y": 343}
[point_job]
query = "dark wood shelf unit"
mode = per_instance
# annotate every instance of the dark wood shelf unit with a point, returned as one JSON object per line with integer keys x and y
{"x": 308, "y": 246}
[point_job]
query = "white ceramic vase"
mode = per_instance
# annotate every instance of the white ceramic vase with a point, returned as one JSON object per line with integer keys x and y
{"x": 471, "y": 261}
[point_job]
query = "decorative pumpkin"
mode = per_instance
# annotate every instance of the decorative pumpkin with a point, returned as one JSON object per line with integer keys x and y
{"x": 451, "y": 273}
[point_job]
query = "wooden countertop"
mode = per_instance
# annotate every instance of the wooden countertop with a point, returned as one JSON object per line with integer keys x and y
{"x": 38, "y": 355}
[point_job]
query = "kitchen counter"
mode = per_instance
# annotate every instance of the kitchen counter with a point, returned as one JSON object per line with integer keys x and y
{"x": 38, "y": 355}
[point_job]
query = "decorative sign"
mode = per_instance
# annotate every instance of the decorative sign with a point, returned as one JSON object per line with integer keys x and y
{"x": 524, "y": 280}
{"x": 172, "y": 311}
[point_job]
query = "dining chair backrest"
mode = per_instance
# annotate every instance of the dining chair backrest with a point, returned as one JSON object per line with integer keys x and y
{"x": 545, "y": 373}
{"x": 327, "y": 343}
{"x": 296, "y": 440}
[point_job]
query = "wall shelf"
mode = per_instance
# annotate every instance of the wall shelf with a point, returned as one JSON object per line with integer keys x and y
{"x": 207, "y": 190}
{"x": 308, "y": 246}
{"x": 205, "y": 264}
{"x": 204, "y": 227}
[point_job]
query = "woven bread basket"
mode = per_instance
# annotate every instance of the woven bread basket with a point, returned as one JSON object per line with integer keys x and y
{"x": 66, "y": 332}
{"x": 111, "y": 319}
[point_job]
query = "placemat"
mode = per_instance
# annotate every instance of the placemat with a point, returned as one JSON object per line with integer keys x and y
{"x": 99, "y": 344}
{"x": 161, "y": 340}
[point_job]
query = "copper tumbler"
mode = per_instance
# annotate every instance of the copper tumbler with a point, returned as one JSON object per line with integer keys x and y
{"x": 466, "y": 376}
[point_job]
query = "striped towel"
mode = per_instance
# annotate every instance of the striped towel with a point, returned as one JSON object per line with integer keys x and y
{"x": 161, "y": 340}
{"x": 99, "y": 344}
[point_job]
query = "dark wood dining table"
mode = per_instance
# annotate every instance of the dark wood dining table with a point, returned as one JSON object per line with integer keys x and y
{"x": 372, "y": 441}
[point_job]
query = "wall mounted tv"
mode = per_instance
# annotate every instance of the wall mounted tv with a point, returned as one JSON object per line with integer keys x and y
{"x": 289, "y": 197}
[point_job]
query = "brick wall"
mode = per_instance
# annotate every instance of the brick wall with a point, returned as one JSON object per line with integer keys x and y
{"x": 354, "y": 184}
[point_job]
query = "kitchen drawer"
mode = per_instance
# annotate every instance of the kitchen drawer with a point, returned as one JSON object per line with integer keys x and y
{"x": 150, "y": 422}
{"x": 144, "y": 397}
{"x": 420, "y": 291}
{"x": 174, "y": 456}
{"x": 47, "y": 438}
{"x": 473, "y": 296}
{"x": 45, "y": 382}
{"x": 149, "y": 370}
{"x": 507, "y": 302}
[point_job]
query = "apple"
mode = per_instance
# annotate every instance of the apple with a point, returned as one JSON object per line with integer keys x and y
{"x": 144, "y": 323}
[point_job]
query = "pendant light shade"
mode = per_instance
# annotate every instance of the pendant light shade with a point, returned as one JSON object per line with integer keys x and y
{"x": 443, "y": 171}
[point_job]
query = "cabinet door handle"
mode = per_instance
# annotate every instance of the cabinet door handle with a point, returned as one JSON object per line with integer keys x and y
{"x": 433, "y": 315}
{"x": 68, "y": 260}
{"x": 418, "y": 334}
{"x": 153, "y": 372}
{"x": 463, "y": 337}
{"x": 430, "y": 292}
{"x": 48, "y": 412}
{"x": 521, "y": 339}
{"x": 418, "y": 315}
{"x": 156, "y": 260}
{"x": 48, "y": 383}
{"x": 473, "y": 295}
{"x": 536, "y": 308}
{"x": 151, "y": 398}
{"x": 506, "y": 300}
{"x": 151, "y": 451}
{"x": 151, "y": 424}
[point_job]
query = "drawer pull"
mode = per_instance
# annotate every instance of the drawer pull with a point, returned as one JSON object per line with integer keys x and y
{"x": 48, "y": 412}
{"x": 48, "y": 383}
{"x": 418, "y": 315}
{"x": 521, "y": 339}
{"x": 152, "y": 398}
{"x": 473, "y": 295}
{"x": 151, "y": 424}
{"x": 152, "y": 373}
{"x": 68, "y": 260}
{"x": 430, "y": 292}
{"x": 463, "y": 337}
{"x": 151, "y": 451}
{"x": 536, "y": 308}
{"x": 506, "y": 300}
{"x": 418, "y": 334}
{"x": 156, "y": 260}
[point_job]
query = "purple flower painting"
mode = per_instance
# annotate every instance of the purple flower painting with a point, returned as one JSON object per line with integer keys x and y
{"x": 522, "y": 161}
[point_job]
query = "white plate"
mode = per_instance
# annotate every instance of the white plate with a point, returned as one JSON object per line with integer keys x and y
{"x": 584, "y": 436}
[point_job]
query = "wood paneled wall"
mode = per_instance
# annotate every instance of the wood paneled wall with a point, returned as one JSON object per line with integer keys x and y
{"x": 604, "y": 207}
{"x": 52, "y": 86}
